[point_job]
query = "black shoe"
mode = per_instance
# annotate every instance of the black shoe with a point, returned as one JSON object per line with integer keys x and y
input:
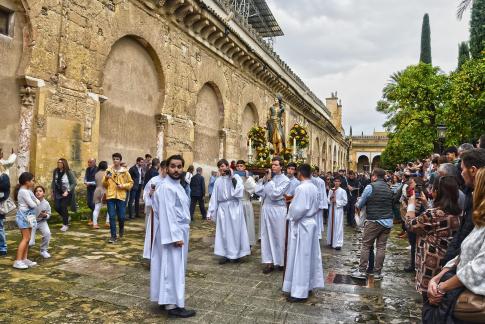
{"x": 268, "y": 269}
{"x": 235, "y": 260}
{"x": 181, "y": 312}
{"x": 280, "y": 268}
{"x": 338, "y": 248}
{"x": 224, "y": 261}
{"x": 409, "y": 269}
{"x": 296, "y": 300}
{"x": 3, "y": 253}
{"x": 112, "y": 240}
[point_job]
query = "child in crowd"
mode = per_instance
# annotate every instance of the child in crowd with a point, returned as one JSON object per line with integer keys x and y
{"x": 43, "y": 213}
{"x": 26, "y": 219}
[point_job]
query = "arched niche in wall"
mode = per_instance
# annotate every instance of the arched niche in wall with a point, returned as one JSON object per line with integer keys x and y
{"x": 133, "y": 82}
{"x": 208, "y": 124}
{"x": 249, "y": 119}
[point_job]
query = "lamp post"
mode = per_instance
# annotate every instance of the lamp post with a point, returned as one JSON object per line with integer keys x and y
{"x": 441, "y": 129}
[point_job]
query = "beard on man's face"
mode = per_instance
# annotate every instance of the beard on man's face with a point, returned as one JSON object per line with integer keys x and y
{"x": 174, "y": 175}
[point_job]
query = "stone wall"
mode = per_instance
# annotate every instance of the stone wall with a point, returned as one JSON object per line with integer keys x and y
{"x": 130, "y": 76}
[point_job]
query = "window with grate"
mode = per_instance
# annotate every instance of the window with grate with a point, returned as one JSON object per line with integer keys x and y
{"x": 5, "y": 21}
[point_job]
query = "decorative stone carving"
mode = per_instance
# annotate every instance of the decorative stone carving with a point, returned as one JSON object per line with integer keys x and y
{"x": 88, "y": 128}
{"x": 27, "y": 100}
{"x": 41, "y": 125}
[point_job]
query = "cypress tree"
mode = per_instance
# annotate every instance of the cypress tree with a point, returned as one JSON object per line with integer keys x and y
{"x": 425, "y": 41}
{"x": 477, "y": 29}
{"x": 463, "y": 53}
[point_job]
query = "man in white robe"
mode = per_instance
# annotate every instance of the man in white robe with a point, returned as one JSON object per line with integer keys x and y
{"x": 294, "y": 182}
{"x": 249, "y": 187}
{"x": 226, "y": 209}
{"x": 148, "y": 195}
{"x": 170, "y": 242}
{"x": 335, "y": 225}
{"x": 272, "y": 190}
{"x": 304, "y": 271}
{"x": 322, "y": 198}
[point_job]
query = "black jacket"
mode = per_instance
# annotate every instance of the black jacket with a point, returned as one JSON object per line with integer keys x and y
{"x": 152, "y": 172}
{"x": 135, "y": 175}
{"x": 197, "y": 186}
{"x": 4, "y": 187}
{"x": 465, "y": 228}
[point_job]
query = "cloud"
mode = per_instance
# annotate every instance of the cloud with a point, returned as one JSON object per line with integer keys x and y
{"x": 353, "y": 46}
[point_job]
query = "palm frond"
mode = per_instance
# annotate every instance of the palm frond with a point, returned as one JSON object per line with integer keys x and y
{"x": 462, "y": 7}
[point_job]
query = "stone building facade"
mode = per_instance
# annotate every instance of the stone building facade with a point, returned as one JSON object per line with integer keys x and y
{"x": 365, "y": 150}
{"x": 86, "y": 78}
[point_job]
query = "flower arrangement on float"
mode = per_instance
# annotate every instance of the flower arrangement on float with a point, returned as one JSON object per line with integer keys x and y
{"x": 298, "y": 137}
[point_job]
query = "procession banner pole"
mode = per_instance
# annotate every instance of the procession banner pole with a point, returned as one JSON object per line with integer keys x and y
{"x": 288, "y": 202}
{"x": 151, "y": 229}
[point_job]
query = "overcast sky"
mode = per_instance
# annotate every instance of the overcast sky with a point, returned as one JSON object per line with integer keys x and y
{"x": 353, "y": 46}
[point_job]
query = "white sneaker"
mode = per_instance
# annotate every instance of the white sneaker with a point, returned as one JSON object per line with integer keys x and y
{"x": 45, "y": 254}
{"x": 29, "y": 263}
{"x": 19, "y": 264}
{"x": 64, "y": 228}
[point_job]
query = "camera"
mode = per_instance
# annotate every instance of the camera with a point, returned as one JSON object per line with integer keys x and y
{"x": 154, "y": 186}
{"x": 108, "y": 173}
{"x": 227, "y": 172}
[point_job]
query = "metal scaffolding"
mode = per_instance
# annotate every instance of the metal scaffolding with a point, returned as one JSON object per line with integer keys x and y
{"x": 259, "y": 16}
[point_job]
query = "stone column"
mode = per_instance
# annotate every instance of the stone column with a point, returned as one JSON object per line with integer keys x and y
{"x": 222, "y": 143}
{"x": 162, "y": 121}
{"x": 28, "y": 94}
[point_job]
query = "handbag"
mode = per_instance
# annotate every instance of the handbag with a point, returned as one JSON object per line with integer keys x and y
{"x": 360, "y": 217}
{"x": 470, "y": 307}
{"x": 7, "y": 206}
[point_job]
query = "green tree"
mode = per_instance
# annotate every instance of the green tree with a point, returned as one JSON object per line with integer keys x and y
{"x": 464, "y": 111}
{"x": 425, "y": 56}
{"x": 411, "y": 102}
{"x": 477, "y": 29}
{"x": 463, "y": 53}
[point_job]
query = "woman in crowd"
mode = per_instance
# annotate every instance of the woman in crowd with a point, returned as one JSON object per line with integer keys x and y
{"x": 25, "y": 218}
{"x": 63, "y": 186}
{"x": 99, "y": 193}
{"x": 465, "y": 273}
{"x": 4, "y": 195}
{"x": 395, "y": 185}
{"x": 434, "y": 228}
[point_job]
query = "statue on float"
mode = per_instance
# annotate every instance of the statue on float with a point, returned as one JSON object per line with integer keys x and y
{"x": 276, "y": 133}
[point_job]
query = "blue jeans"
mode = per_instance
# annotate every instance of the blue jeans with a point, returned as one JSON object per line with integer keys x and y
{"x": 3, "y": 237}
{"x": 116, "y": 207}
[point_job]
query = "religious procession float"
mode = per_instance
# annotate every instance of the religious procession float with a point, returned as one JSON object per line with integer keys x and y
{"x": 264, "y": 143}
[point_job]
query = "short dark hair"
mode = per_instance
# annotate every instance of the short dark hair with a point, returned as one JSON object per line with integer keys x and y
{"x": 474, "y": 158}
{"x": 317, "y": 169}
{"x": 279, "y": 159}
{"x": 221, "y": 162}
{"x": 291, "y": 165}
{"x": 148, "y": 156}
{"x": 452, "y": 149}
{"x": 163, "y": 164}
{"x": 351, "y": 172}
{"x": 241, "y": 162}
{"x": 117, "y": 155}
{"x": 103, "y": 165}
{"x": 337, "y": 179}
{"x": 175, "y": 157}
{"x": 138, "y": 159}
{"x": 305, "y": 170}
{"x": 155, "y": 162}
{"x": 378, "y": 172}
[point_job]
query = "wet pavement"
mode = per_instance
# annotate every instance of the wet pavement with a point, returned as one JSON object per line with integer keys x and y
{"x": 88, "y": 280}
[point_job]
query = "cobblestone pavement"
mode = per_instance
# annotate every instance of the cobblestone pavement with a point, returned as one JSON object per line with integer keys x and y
{"x": 89, "y": 281}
